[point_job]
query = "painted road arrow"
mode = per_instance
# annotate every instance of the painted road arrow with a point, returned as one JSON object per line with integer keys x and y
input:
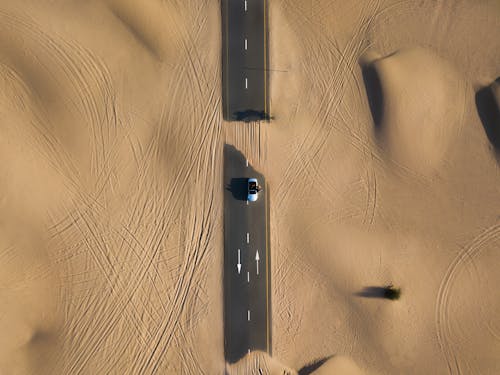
{"x": 257, "y": 261}
{"x": 239, "y": 262}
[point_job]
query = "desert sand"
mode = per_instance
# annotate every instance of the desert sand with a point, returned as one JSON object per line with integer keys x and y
{"x": 386, "y": 119}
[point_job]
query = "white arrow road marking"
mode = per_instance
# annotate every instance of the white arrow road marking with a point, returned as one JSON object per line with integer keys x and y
{"x": 248, "y": 315}
{"x": 239, "y": 262}
{"x": 257, "y": 258}
{"x": 248, "y": 237}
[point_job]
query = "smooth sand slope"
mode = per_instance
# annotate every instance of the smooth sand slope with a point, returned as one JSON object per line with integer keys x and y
{"x": 417, "y": 108}
{"x": 382, "y": 163}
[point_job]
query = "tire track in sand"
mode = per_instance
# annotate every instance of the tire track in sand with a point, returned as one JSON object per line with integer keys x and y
{"x": 106, "y": 267}
{"x": 442, "y": 314}
{"x": 86, "y": 221}
{"x": 79, "y": 69}
{"x": 315, "y": 139}
{"x": 83, "y": 72}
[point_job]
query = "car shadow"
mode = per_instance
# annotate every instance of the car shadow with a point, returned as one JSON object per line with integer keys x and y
{"x": 238, "y": 188}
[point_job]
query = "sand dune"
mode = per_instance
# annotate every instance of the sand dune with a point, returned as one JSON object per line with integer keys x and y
{"x": 30, "y": 317}
{"x": 338, "y": 365}
{"x": 391, "y": 199}
{"x": 152, "y": 25}
{"x": 110, "y": 236}
{"x": 259, "y": 363}
{"x": 488, "y": 107}
{"x": 86, "y": 127}
{"x": 419, "y": 108}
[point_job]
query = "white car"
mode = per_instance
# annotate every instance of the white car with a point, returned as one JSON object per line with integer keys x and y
{"x": 253, "y": 189}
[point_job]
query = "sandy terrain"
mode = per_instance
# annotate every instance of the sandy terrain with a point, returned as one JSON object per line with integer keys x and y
{"x": 111, "y": 138}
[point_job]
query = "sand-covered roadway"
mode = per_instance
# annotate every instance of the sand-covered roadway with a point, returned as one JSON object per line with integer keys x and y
{"x": 111, "y": 206}
{"x": 247, "y": 283}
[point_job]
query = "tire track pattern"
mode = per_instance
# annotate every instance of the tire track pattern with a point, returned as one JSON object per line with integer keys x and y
{"x": 332, "y": 85}
{"x": 139, "y": 273}
{"x": 443, "y": 319}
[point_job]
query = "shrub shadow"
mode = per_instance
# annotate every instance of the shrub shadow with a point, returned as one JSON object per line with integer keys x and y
{"x": 385, "y": 292}
{"x": 372, "y": 292}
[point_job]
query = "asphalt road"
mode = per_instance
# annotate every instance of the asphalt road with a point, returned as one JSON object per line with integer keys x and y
{"x": 246, "y": 290}
{"x": 244, "y": 60}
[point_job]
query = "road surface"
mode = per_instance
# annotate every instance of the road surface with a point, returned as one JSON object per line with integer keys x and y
{"x": 246, "y": 274}
{"x": 244, "y": 60}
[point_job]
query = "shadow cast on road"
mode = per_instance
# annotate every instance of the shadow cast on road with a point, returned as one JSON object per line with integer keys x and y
{"x": 250, "y": 115}
{"x": 238, "y": 187}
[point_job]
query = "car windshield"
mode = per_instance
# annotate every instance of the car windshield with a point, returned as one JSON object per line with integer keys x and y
{"x": 252, "y": 192}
